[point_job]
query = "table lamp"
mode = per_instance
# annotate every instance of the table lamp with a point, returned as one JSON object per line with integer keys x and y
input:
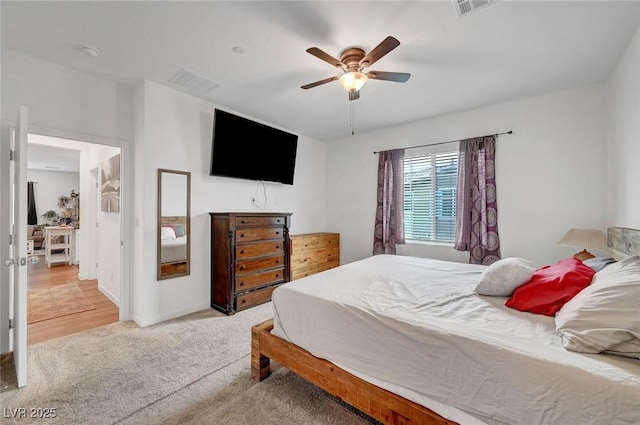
{"x": 585, "y": 239}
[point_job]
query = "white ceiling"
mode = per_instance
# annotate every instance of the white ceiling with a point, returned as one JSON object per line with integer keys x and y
{"x": 509, "y": 50}
{"x": 53, "y": 154}
{"x": 53, "y": 158}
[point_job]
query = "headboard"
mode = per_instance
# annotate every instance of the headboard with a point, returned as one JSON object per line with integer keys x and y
{"x": 173, "y": 220}
{"x": 623, "y": 242}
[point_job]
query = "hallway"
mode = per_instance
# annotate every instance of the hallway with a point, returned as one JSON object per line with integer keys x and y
{"x": 105, "y": 311}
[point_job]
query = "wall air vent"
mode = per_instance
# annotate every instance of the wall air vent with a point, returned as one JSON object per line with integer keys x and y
{"x": 464, "y": 7}
{"x": 192, "y": 83}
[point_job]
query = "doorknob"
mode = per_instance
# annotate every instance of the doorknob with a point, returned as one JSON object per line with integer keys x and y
{"x": 12, "y": 262}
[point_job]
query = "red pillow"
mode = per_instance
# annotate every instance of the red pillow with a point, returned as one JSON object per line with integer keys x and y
{"x": 551, "y": 286}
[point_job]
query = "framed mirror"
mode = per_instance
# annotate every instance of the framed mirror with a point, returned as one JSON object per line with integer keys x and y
{"x": 174, "y": 223}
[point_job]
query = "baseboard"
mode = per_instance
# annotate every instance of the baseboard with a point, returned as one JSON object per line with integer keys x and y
{"x": 109, "y": 295}
{"x": 171, "y": 315}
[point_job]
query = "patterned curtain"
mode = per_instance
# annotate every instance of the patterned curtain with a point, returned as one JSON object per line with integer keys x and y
{"x": 389, "y": 229}
{"x": 32, "y": 215}
{"x": 477, "y": 208}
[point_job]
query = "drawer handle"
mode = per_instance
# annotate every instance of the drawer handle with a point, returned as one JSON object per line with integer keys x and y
{"x": 277, "y": 261}
{"x": 277, "y": 274}
{"x": 242, "y": 222}
{"x": 242, "y": 235}
{"x": 277, "y": 246}
{"x": 306, "y": 245}
{"x": 278, "y": 221}
{"x": 277, "y": 233}
{"x": 304, "y": 261}
{"x": 244, "y": 301}
{"x": 242, "y": 252}
{"x": 241, "y": 283}
{"x": 241, "y": 267}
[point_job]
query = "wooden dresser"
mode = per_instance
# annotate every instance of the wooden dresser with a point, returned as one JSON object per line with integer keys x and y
{"x": 249, "y": 258}
{"x": 313, "y": 252}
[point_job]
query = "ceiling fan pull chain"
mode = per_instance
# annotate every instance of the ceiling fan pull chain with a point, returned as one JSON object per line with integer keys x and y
{"x": 352, "y": 118}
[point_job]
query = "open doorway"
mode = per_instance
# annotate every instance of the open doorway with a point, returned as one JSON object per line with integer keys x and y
{"x": 73, "y": 279}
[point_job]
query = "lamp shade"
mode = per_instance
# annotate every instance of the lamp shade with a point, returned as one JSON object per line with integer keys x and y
{"x": 584, "y": 238}
{"x": 352, "y": 81}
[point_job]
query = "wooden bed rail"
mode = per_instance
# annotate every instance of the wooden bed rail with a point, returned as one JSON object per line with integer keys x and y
{"x": 380, "y": 404}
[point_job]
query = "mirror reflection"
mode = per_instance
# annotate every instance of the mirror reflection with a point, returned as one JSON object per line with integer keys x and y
{"x": 174, "y": 224}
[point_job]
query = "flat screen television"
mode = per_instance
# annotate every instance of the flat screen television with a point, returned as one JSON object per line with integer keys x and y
{"x": 245, "y": 149}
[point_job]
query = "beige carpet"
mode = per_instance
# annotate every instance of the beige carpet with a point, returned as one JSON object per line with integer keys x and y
{"x": 194, "y": 370}
{"x": 56, "y": 301}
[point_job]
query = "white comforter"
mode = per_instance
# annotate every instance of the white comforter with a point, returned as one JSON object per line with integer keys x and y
{"x": 415, "y": 327}
{"x": 173, "y": 250}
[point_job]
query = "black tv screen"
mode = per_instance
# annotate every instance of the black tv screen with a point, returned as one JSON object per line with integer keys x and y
{"x": 246, "y": 149}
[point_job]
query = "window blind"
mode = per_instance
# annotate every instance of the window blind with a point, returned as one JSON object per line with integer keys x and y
{"x": 430, "y": 196}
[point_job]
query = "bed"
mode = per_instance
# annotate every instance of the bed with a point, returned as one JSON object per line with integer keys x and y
{"x": 173, "y": 250}
{"x": 173, "y": 239}
{"x": 376, "y": 335}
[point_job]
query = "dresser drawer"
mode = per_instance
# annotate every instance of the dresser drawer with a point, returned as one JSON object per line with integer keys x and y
{"x": 259, "y": 264}
{"x": 327, "y": 255}
{"x": 253, "y": 298}
{"x": 303, "y": 272}
{"x": 256, "y": 280}
{"x": 258, "y": 249}
{"x": 304, "y": 260}
{"x": 259, "y": 234}
{"x": 329, "y": 241}
{"x": 329, "y": 265}
{"x": 301, "y": 244}
{"x": 259, "y": 221}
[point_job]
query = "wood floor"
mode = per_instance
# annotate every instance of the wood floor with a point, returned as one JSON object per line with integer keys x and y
{"x": 106, "y": 312}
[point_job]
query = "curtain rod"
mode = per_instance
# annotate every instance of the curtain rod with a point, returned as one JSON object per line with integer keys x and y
{"x": 451, "y": 141}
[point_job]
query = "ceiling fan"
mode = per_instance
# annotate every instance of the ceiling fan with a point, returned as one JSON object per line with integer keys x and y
{"x": 353, "y": 62}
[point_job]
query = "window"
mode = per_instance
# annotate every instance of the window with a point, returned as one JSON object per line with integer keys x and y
{"x": 430, "y": 196}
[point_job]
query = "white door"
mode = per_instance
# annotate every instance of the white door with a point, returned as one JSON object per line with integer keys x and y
{"x": 18, "y": 238}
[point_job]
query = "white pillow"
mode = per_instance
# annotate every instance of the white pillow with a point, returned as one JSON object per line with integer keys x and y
{"x": 605, "y": 316}
{"x": 501, "y": 278}
{"x": 167, "y": 232}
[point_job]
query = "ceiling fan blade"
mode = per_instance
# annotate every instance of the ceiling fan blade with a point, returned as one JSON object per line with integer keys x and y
{"x": 318, "y": 83}
{"x": 398, "y": 77}
{"x": 387, "y": 45}
{"x": 354, "y": 95}
{"x": 325, "y": 57}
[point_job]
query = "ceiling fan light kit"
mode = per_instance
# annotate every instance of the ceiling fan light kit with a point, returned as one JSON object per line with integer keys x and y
{"x": 352, "y": 81}
{"x": 353, "y": 62}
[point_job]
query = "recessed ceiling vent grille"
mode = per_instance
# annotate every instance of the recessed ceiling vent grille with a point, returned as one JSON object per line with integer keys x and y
{"x": 464, "y": 7}
{"x": 192, "y": 83}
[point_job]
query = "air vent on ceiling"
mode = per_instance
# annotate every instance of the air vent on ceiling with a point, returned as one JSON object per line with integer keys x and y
{"x": 464, "y": 7}
{"x": 192, "y": 83}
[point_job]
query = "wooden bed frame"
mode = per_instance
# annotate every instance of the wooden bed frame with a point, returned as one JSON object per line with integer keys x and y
{"x": 380, "y": 404}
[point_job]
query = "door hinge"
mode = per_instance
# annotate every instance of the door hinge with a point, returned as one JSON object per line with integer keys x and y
{"x": 10, "y": 239}
{"x": 10, "y": 323}
{"x": 12, "y": 154}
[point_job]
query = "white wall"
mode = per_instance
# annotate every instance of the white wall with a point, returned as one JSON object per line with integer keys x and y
{"x": 550, "y": 173}
{"x": 176, "y": 134}
{"x": 106, "y": 237}
{"x": 62, "y": 98}
{"x": 50, "y": 186}
{"x": 623, "y": 139}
